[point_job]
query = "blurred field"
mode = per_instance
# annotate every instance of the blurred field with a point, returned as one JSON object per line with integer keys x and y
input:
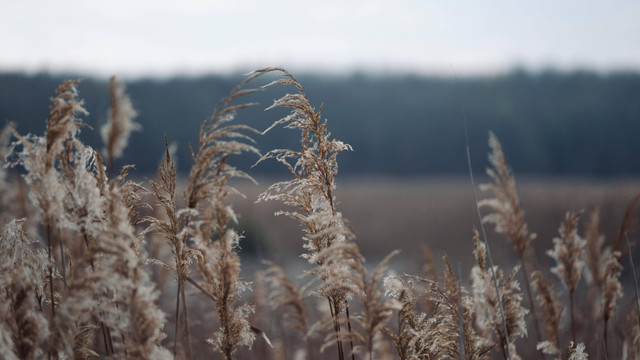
{"x": 395, "y": 213}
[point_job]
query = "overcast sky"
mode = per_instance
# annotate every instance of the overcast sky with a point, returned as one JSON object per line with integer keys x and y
{"x": 162, "y": 37}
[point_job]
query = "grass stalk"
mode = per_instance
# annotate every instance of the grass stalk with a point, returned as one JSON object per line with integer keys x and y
{"x": 573, "y": 322}
{"x": 176, "y": 327}
{"x": 532, "y": 304}
{"x": 346, "y": 304}
{"x": 336, "y": 327}
{"x": 486, "y": 243}
{"x": 63, "y": 260}
{"x": 185, "y": 316}
{"x": 51, "y": 263}
{"x": 635, "y": 280}
{"x": 460, "y": 315}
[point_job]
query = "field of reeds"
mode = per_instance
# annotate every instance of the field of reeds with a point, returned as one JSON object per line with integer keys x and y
{"x": 97, "y": 265}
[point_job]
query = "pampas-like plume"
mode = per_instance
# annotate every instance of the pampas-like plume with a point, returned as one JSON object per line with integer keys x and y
{"x": 353, "y": 280}
{"x": 552, "y": 312}
{"x": 612, "y": 290}
{"x": 116, "y": 131}
{"x": 436, "y": 335}
{"x": 206, "y": 219}
{"x": 409, "y": 323}
{"x": 219, "y": 266}
{"x": 595, "y": 255}
{"x": 376, "y": 308}
{"x": 41, "y": 157}
{"x": 23, "y": 325}
{"x": 631, "y": 346}
{"x": 578, "y": 352}
{"x": 507, "y": 214}
{"x": 487, "y": 308}
{"x": 117, "y": 270}
{"x": 176, "y": 234}
{"x": 568, "y": 252}
{"x": 63, "y": 123}
{"x": 215, "y": 240}
{"x": 283, "y": 293}
{"x": 7, "y": 189}
{"x": 314, "y": 168}
{"x": 218, "y": 139}
{"x": 39, "y": 154}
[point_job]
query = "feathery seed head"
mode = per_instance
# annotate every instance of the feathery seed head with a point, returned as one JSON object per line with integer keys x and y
{"x": 552, "y": 311}
{"x": 568, "y": 252}
{"x": 507, "y": 214}
{"x": 116, "y": 131}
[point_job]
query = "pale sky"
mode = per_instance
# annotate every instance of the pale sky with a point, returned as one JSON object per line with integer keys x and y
{"x": 161, "y": 37}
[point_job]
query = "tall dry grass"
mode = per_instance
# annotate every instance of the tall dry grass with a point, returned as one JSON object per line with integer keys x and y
{"x": 98, "y": 266}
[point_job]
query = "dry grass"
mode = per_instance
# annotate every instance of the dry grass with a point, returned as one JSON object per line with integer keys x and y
{"x": 99, "y": 266}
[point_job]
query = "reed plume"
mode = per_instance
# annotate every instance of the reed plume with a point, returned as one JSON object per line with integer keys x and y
{"x": 507, "y": 214}
{"x": 176, "y": 235}
{"x": 119, "y": 126}
{"x": 487, "y": 307}
{"x": 201, "y": 232}
{"x": 283, "y": 294}
{"x": 577, "y": 352}
{"x": 552, "y": 312}
{"x": 611, "y": 290}
{"x": 376, "y": 308}
{"x": 215, "y": 241}
{"x": 219, "y": 266}
{"x": 344, "y": 272}
{"x": 445, "y": 333}
{"x": 42, "y": 159}
{"x": 8, "y": 195}
{"x": 595, "y": 254}
{"x": 631, "y": 345}
{"x": 568, "y": 252}
{"x": 314, "y": 168}
{"x": 117, "y": 270}
{"x": 410, "y": 324}
{"x": 23, "y": 325}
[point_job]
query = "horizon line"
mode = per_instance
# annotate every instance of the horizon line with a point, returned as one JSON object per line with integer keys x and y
{"x": 347, "y": 71}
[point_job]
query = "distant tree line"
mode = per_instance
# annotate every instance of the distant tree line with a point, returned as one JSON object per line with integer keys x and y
{"x": 550, "y": 123}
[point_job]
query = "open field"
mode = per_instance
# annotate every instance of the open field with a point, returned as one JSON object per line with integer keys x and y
{"x": 395, "y": 213}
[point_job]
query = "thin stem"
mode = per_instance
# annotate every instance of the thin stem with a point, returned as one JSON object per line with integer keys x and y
{"x": 51, "y": 262}
{"x": 104, "y": 338}
{"x": 460, "y": 316}
{"x": 187, "y": 332}
{"x": 176, "y": 328}
{"x": 606, "y": 343}
{"x": 63, "y": 260}
{"x": 635, "y": 280}
{"x": 484, "y": 233}
{"x": 336, "y": 328}
{"x": 486, "y": 243}
{"x": 353, "y": 356}
{"x": 531, "y": 302}
{"x": 106, "y": 334}
{"x": 573, "y": 323}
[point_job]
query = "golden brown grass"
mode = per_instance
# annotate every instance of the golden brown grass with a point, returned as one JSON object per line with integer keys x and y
{"x": 79, "y": 276}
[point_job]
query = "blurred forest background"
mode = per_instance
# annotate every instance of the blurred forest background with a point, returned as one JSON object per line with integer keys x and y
{"x": 550, "y": 123}
{"x": 571, "y": 139}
